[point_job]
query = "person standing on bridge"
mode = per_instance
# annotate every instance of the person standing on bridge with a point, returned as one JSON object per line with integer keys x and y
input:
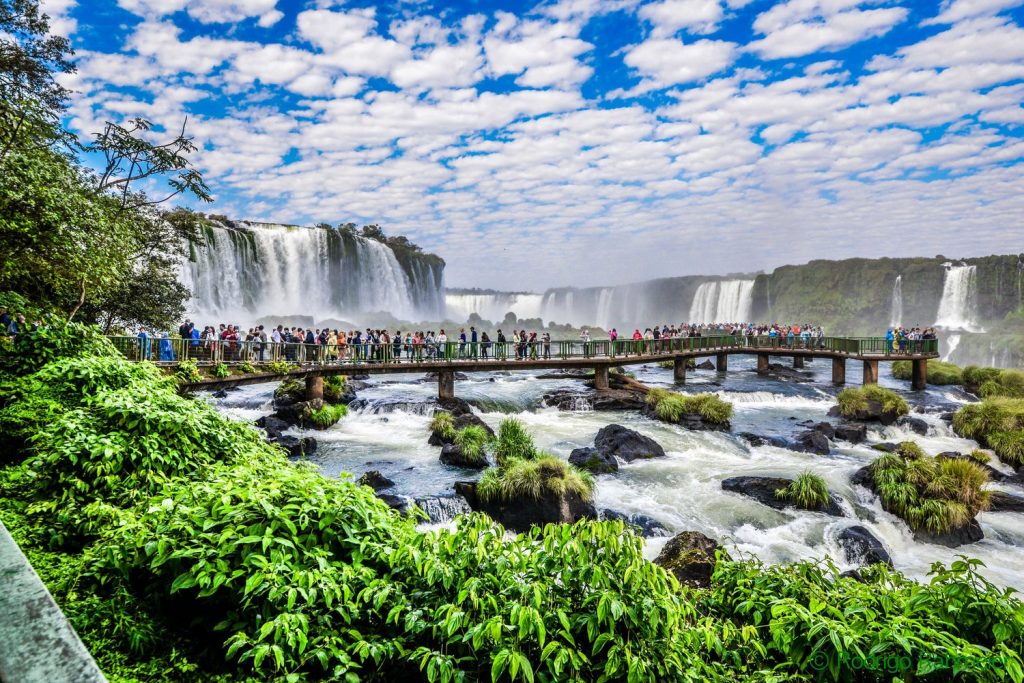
{"x": 499, "y": 352}
{"x": 546, "y": 339}
{"x": 473, "y": 341}
{"x": 462, "y": 343}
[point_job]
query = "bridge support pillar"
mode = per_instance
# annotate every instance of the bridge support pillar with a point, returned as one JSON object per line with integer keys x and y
{"x": 601, "y": 377}
{"x": 721, "y": 362}
{"x": 919, "y": 374}
{"x": 446, "y": 384}
{"x": 679, "y": 369}
{"x": 871, "y": 372}
{"x": 314, "y": 387}
{"x": 762, "y": 363}
{"x": 838, "y": 371}
{"x": 798, "y": 362}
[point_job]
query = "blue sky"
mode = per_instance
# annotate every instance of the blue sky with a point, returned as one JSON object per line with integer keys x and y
{"x": 585, "y": 142}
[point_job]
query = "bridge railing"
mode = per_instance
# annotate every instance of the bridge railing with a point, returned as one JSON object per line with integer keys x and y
{"x": 175, "y": 349}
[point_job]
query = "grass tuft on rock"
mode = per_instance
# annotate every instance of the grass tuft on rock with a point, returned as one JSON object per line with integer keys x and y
{"x": 325, "y": 416}
{"x": 544, "y": 474}
{"x": 671, "y": 406}
{"x": 443, "y": 424}
{"x": 997, "y": 423}
{"x": 471, "y": 441}
{"x": 513, "y": 442}
{"x": 857, "y": 400}
{"x": 936, "y": 495}
{"x": 938, "y": 372}
{"x": 808, "y": 491}
{"x": 334, "y": 387}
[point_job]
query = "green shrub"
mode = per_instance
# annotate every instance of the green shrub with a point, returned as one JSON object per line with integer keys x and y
{"x": 938, "y": 372}
{"x": 808, "y": 491}
{"x": 857, "y": 400}
{"x": 443, "y": 424}
{"x": 974, "y": 376}
{"x": 246, "y": 368}
{"x": 334, "y": 387}
{"x": 670, "y": 406}
{"x": 471, "y": 440}
{"x": 293, "y": 389}
{"x": 936, "y": 495}
{"x": 35, "y": 347}
{"x": 1008, "y": 384}
{"x": 997, "y": 423}
{"x": 979, "y": 456}
{"x": 327, "y": 415}
{"x": 221, "y": 370}
{"x": 187, "y": 372}
{"x": 513, "y": 442}
{"x": 544, "y": 475}
{"x": 279, "y": 367}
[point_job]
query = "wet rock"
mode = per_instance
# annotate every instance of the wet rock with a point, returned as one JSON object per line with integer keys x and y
{"x": 648, "y": 527}
{"x": 295, "y": 446}
{"x": 811, "y": 441}
{"x": 969, "y": 533}
{"x": 947, "y": 417}
{"x": 690, "y": 556}
{"x": 705, "y": 365}
{"x": 786, "y": 373}
{"x": 375, "y": 480}
{"x": 395, "y": 502}
{"x": 860, "y": 546}
{"x": 886, "y": 447}
{"x": 592, "y": 460}
{"x": 220, "y": 393}
{"x": 617, "y": 441}
{"x": 272, "y": 426}
{"x": 873, "y": 413}
{"x": 761, "y": 440}
{"x": 520, "y": 514}
{"x": 852, "y": 574}
{"x": 462, "y": 415}
{"x": 1006, "y": 502}
{"x": 452, "y": 455}
{"x": 826, "y": 428}
{"x": 853, "y": 433}
{"x": 762, "y": 489}
{"x": 608, "y": 399}
{"x": 441, "y": 509}
{"x": 862, "y": 477}
{"x": 914, "y": 424}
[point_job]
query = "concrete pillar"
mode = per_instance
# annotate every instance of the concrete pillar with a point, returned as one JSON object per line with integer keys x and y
{"x": 601, "y": 377}
{"x": 871, "y": 372}
{"x": 721, "y": 362}
{"x": 314, "y": 387}
{"x": 838, "y": 371}
{"x": 798, "y": 362}
{"x": 679, "y": 369}
{"x": 762, "y": 363}
{"x": 446, "y": 384}
{"x": 919, "y": 374}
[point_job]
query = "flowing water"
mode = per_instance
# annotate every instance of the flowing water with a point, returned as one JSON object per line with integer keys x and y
{"x": 681, "y": 491}
{"x": 896, "y": 307}
{"x": 958, "y": 306}
{"x": 723, "y": 301}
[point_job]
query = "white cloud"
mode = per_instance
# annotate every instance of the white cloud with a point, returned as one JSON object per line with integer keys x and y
{"x": 670, "y": 16}
{"x": 208, "y": 11}
{"x": 801, "y": 27}
{"x": 953, "y": 11}
{"x": 668, "y": 61}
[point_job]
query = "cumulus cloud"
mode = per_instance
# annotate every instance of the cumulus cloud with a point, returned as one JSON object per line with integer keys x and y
{"x": 670, "y": 16}
{"x": 208, "y": 11}
{"x": 802, "y": 27}
{"x": 666, "y": 61}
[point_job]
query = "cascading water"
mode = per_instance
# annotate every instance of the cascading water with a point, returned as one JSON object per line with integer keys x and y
{"x": 492, "y": 306}
{"x": 248, "y": 271}
{"x": 896, "y": 307}
{"x": 959, "y": 303}
{"x": 723, "y": 301}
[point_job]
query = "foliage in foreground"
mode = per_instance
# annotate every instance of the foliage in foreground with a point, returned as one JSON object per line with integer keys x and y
{"x": 203, "y": 541}
{"x": 808, "y": 491}
{"x": 671, "y": 406}
{"x": 858, "y": 400}
{"x": 938, "y": 372}
{"x": 936, "y": 495}
{"x": 997, "y": 423}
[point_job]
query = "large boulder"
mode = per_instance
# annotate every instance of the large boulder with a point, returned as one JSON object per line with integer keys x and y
{"x": 452, "y": 455}
{"x": 462, "y": 416}
{"x": 914, "y": 424}
{"x": 873, "y": 413}
{"x": 705, "y": 365}
{"x": 590, "y": 399}
{"x": 521, "y": 514}
{"x": 853, "y": 433}
{"x": 273, "y": 426}
{"x": 811, "y": 441}
{"x": 761, "y": 440}
{"x": 1006, "y": 502}
{"x": 375, "y": 480}
{"x": 620, "y": 442}
{"x": 690, "y": 556}
{"x": 594, "y": 461}
{"x": 762, "y": 489}
{"x": 295, "y": 446}
{"x": 443, "y": 508}
{"x": 861, "y": 547}
{"x": 646, "y": 526}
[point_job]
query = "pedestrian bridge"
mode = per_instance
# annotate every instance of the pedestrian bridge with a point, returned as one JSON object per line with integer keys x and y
{"x": 240, "y": 363}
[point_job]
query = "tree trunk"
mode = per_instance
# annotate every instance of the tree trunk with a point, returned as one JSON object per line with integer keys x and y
{"x": 81, "y": 300}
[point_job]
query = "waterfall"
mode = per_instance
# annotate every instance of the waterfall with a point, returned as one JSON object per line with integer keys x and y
{"x": 952, "y": 341}
{"x": 246, "y": 271}
{"x": 605, "y": 316}
{"x": 492, "y": 306}
{"x": 959, "y": 303}
{"x": 441, "y": 509}
{"x": 896, "y": 307}
{"x": 722, "y": 301}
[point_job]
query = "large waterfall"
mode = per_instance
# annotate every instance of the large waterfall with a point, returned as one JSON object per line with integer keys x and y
{"x": 248, "y": 270}
{"x": 492, "y": 306}
{"x": 896, "y": 307}
{"x": 959, "y": 303}
{"x": 723, "y": 301}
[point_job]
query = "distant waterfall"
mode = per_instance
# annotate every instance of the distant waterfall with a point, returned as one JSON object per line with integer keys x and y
{"x": 722, "y": 301}
{"x": 959, "y": 303}
{"x": 492, "y": 306}
{"x": 896, "y": 307}
{"x": 249, "y": 270}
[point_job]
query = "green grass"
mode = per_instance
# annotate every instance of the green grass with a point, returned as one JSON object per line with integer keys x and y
{"x": 279, "y": 367}
{"x": 671, "y": 406}
{"x": 807, "y": 491}
{"x": 443, "y": 424}
{"x": 974, "y": 376}
{"x": 544, "y": 474}
{"x": 997, "y": 423}
{"x": 334, "y": 387}
{"x": 856, "y": 400}
{"x": 939, "y": 372}
{"x": 1007, "y": 384}
{"x": 292, "y": 388}
{"x": 471, "y": 441}
{"x": 936, "y": 495}
{"x": 247, "y": 368}
{"x": 513, "y": 442}
{"x": 325, "y": 416}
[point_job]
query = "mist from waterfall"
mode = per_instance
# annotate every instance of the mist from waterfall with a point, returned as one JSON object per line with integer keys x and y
{"x": 896, "y": 307}
{"x": 722, "y": 301}
{"x": 958, "y": 305}
{"x": 240, "y": 274}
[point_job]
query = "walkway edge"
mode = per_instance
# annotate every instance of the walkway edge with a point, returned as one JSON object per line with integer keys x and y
{"x": 37, "y": 642}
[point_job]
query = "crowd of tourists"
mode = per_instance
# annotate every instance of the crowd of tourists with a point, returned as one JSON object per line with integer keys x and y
{"x": 903, "y": 339}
